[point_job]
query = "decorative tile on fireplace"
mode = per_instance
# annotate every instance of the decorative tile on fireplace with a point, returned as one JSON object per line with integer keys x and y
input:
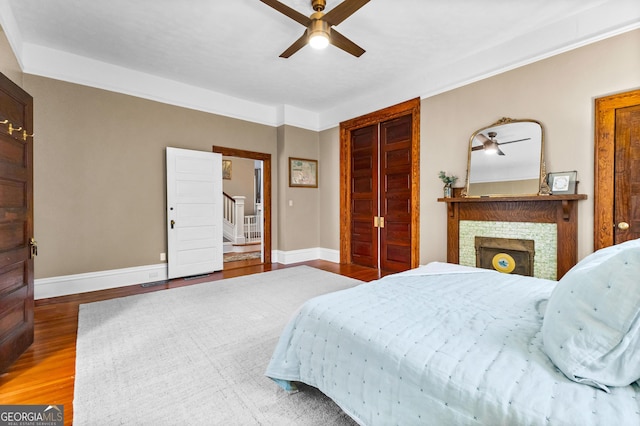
{"x": 543, "y": 234}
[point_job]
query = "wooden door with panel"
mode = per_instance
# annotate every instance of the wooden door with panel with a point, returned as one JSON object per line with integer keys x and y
{"x": 364, "y": 196}
{"x": 627, "y": 175}
{"x": 617, "y": 169}
{"x": 395, "y": 193}
{"x": 17, "y": 246}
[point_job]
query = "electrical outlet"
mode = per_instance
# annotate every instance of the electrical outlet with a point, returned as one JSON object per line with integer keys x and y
{"x": 163, "y": 256}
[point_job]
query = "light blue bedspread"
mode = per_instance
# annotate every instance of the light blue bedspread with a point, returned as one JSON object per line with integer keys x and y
{"x": 441, "y": 349}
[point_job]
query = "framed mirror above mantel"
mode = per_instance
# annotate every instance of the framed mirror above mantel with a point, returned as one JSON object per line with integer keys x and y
{"x": 506, "y": 159}
{"x": 559, "y": 210}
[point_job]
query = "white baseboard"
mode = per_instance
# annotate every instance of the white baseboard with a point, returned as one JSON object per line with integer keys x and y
{"x": 45, "y": 288}
{"x": 329, "y": 255}
{"x": 101, "y": 280}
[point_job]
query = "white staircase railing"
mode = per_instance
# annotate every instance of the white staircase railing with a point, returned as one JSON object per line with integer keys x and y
{"x": 253, "y": 226}
{"x": 238, "y": 228}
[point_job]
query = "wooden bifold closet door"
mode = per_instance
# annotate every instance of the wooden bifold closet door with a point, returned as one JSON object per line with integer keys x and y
{"x": 364, "y": 196}
{"x": 395, "y": 194}
{"x": 379, "y": 219}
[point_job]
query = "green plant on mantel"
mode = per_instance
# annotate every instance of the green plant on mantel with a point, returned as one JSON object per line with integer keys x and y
{"x": 447, "y": 180}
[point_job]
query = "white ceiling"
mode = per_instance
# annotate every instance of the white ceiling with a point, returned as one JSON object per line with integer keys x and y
{"x": 222, "y": 56}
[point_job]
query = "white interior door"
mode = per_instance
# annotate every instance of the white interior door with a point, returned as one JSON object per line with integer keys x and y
{"x": 194, "y": 212}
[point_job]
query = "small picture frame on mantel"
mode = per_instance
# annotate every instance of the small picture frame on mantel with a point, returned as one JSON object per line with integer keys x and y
{"x": 562, "y": 183}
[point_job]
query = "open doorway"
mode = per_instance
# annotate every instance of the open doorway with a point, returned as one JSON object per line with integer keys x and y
{"x": 242, "y": 211}
{"x": 248, "y": 206}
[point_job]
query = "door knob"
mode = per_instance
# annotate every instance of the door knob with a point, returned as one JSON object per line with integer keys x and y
{"x": 623, "y": 226}
{"x": 173, "y": 222}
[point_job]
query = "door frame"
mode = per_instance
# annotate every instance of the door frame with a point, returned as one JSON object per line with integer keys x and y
{"x": 266, "y": 182}
{"x": 346, "y": 127}
{"x": 604, "y": 170}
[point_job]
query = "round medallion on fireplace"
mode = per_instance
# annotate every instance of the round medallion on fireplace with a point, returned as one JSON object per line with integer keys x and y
{"x": 502, "y": 262}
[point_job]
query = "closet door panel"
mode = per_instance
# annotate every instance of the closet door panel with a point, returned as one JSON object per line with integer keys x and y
{"x": 395, "y": 193}
{"x": 364, "y": 196}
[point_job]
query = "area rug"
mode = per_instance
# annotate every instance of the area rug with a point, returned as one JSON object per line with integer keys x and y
{"x": 197, "y": 354}
{"x": 249, "y": 255}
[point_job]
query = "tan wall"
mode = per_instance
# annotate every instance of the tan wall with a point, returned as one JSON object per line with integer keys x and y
{"x": 524, "y": 187}
{"x": 99, "y": 175}
{"x": 241, "y": 182}
{"x": 329, "y": 186}
{"x": 100, "y": 172}
{"x": 298, "y": 223}
{"x": 559, "y": 92}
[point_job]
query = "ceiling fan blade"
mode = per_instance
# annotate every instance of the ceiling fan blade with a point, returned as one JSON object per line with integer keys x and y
{"x": 286, "y": 10}
{"x": 297, "y": 45}
{"x": 343, "y": 11}
{"x": 481, "y": 148}
{"x": 482, "y": 138}
{"x": 518, "y": 140}
{"x": 340, "y": 41}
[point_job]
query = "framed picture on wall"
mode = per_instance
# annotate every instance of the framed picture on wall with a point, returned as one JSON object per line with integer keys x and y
{"x": 303, "y": 173}
{"x": 562, "y": 182}
{"x": 226, "y": 169}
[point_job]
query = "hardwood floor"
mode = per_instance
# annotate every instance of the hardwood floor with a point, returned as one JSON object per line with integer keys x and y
{"x": 45, "y": 373}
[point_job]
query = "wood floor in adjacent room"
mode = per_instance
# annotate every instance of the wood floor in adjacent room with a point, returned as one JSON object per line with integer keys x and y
{"x": 45, "y": 373}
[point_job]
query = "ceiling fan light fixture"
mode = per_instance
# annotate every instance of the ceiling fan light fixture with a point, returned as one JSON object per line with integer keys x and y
{"x": 491, "y": 148}
{"x": 490, "y": 145}
{"x": 318, "y": 34}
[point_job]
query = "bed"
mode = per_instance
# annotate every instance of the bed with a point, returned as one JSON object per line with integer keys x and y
{"x": 446, "y": 344}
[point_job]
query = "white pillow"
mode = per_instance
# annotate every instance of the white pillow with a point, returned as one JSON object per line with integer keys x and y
{"x": 591, "y": 327}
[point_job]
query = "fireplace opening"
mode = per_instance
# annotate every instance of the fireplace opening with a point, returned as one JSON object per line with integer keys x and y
{"x": 508, "y": 255}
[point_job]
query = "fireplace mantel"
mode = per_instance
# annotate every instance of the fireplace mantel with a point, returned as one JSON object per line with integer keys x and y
{"x": 559, "y": 209}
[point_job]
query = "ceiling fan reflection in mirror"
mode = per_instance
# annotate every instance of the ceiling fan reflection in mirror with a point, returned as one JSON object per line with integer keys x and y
{"x": 319, "y": 32}
{"x": 490, "y": 145}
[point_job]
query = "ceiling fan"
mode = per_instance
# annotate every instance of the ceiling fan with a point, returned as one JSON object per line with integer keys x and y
{"x": 490, "y": 145}
{"x": 319, "y": 32}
